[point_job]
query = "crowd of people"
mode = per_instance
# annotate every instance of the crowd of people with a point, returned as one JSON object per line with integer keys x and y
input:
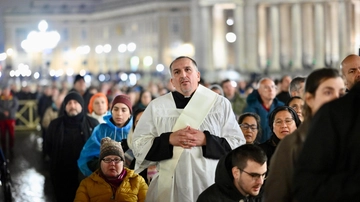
{"x": 288, "y": 140}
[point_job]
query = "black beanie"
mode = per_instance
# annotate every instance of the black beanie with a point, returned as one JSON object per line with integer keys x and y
{"x": 74, "y": 96}
{"x": 78, "y": 77}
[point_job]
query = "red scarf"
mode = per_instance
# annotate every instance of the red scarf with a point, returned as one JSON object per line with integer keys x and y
{"x": 115, "y": 183}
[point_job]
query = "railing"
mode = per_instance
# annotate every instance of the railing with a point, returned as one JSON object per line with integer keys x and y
{"x": 26, "y": 116}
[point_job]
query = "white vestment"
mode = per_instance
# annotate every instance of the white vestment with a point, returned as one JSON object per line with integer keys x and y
{"x": 193, "y": 173}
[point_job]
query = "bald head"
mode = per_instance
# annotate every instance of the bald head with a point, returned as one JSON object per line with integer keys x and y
{"x": 350, "y": 68}
{"x": 267, "y": 89}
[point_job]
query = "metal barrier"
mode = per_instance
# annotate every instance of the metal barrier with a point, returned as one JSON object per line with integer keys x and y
{"x": 26, "y": 116}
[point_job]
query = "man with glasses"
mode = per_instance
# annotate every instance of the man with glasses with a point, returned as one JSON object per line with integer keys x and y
{"x": 239, "y": 176}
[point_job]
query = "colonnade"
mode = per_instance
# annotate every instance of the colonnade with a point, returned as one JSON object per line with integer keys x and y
{"x": 276, "y": 35}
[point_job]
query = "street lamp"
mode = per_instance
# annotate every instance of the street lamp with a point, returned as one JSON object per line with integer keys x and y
{"x": 39, "y": 41}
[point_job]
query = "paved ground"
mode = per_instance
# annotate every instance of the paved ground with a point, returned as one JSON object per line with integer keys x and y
{"x": 30, "y": 177}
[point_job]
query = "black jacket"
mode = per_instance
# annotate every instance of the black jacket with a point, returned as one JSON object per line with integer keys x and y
{"x": 329, "y": 164}
{"x": 224, "y": 189}
{"x": 269, "y": 146}
{"x": 54, "y": 141}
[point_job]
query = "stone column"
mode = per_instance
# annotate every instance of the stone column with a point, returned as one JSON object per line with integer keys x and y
{"x": 240, "y": 59}
{"x": 206, "y": 37}
{"x": 275, "y": 38}
{"x": 285, "y": 36}
{"x": 201, "y": 23}
{"x": 327, "y": 35}
{"x": 296, "y": 63}
{"x": 251, "y": 34}
{"x": 219, "y": 48}
{"x": 308, "y": 33}
{"x": 344, "y": 31}
{"x": 262, "y": 44}
{"x": 357, "y": 25}
{"x": 319, "y": 36}
{"x": 334, "y": 33}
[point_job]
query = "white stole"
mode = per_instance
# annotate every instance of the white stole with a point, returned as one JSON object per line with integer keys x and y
{"x": 193, "y": 115}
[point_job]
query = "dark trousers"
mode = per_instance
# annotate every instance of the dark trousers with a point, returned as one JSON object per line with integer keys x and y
{"x": 7, "y": 125}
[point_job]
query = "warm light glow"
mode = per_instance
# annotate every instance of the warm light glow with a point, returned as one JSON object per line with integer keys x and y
{"x": 186, "y": 49}
{"x": 87, "y": 78}
{"x": 36, "y": 75}
{"x": 52, "y": 73}
{"x": 12, "y": 73}
{"x": 82, "y": 72}
{"x": 69, "y": 71}
{"x": 230, "y": 37}
{"x": 3, "y": 56}
{"x": 160, "y": 67}
{"x": 122, "y": 48}
{"x": 148, "y": 60}
{"x": 40, "y": 41}
{"x": 9, "y": 51}
{"x": 230, "y": 21}
{"x": 134, "y": 62}
{"x": 43, "y": 25}
{"x": 23, "y": 70}
{"x": 99, "y": 49}
{"x": 107, "y": 48}
{"x": 102, "y": 77}
{"x": 83, "y": 50}
{"x": 59, "y": 72}
{"x": 123, "y": 77}
{"x": 131, "y": 47}
{"x": 133, "y": 79}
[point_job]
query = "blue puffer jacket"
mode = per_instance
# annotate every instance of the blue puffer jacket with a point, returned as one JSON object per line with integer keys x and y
{"x": 254, "y": 104}
{"x": 91, "y": 148}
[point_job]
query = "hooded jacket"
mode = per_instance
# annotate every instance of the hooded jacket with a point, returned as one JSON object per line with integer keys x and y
{"x": 95, "y": 188}
{"x": 254, "y": 104}
{"x": 224, "y": 189}
{"x": 91, "y": 149}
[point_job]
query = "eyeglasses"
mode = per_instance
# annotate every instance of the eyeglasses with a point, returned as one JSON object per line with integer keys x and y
{"x": 255, "y": 176}
{"x": 109, "y": 160}
{"x": 280, "y": 122}
{"x": 246, "y": 126}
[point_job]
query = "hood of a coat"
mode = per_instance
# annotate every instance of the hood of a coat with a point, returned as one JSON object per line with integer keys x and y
{"x": 225, "y": 181}
{"x": 123, "y": 130}
{"x": 107, "y": 119}
{"x": 224, "y": 178}
{"x": 253, "y": 97}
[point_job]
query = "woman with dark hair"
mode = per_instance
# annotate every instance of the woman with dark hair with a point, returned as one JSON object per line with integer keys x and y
{"x": 145, "y": 98}
{"x": 250, "y": 126}
{"x": 297, "y": 103}
{"x": 283, "y": 121}
{"x": 321, "y": 86}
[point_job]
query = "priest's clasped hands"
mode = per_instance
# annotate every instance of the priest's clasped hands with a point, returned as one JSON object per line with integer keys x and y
{"x": 187, "y": 138}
